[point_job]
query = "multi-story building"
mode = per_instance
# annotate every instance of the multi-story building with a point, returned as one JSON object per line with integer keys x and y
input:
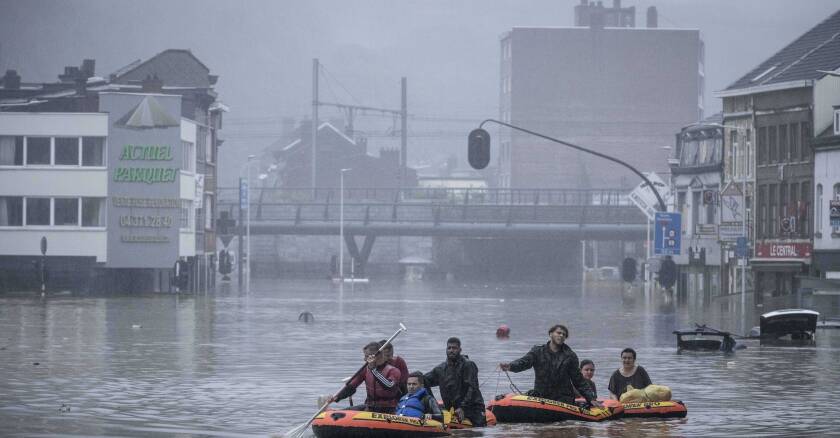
{"x": 773, "y": 112}
{"x": 827, "y": 202}
{"x": 117, "y": 174}
{"x": 696, "y": 182}
{"x": 622, "y": 91}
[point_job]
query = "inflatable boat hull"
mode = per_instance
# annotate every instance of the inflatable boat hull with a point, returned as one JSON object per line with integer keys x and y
{"x": 514, "y": 408}
{"x": 360, "y": 424}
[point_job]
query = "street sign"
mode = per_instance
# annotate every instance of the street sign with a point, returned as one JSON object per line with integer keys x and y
{"x": 741, "y": 247}
{"x": 834, "y": 213}
{"x": 243, "y": 193}
{"x": 645, "y": 198}
{"x": 667, "y": 233}
{"x": 731, "y": 213}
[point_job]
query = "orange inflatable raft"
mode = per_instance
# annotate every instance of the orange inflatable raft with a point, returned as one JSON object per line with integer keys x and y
{"x": 518, "y": 408}
{"x": 665, "y": 409}
{"x": 453, "y": 423}
{"x": 361, "y": 424}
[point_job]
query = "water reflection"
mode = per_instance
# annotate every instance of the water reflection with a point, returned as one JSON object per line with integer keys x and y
{"x": 237, "y": 364}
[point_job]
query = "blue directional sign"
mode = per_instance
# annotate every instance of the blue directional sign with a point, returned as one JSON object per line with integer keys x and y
{"x": 741, "y": 247}
{"x": 667, "y": 232}
{"x": 243, "y": 193}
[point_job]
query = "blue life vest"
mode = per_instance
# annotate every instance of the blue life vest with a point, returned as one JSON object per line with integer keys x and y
{"x": 411, "y": 405}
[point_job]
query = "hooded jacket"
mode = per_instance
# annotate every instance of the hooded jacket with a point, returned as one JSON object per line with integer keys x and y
{"x": 554, "y": 373}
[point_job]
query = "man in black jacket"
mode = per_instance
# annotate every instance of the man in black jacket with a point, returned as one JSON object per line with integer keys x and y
{"x": 457, "y": 378}
{"x": 556, "y": 369}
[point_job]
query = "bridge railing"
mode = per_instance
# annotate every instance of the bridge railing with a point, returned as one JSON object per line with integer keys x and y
{"x": 469, "y": 196}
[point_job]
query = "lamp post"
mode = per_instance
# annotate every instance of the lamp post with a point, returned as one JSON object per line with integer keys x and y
{"x": 341, "y": 227}
{"x": 248, "y": 225}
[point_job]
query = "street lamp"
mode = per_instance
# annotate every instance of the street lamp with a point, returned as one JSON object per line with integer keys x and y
{"x": 341, "y": 227}
{"x": 248, "y": 225}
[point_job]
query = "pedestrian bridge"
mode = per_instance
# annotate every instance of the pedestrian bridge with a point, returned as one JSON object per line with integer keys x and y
{"x": 468, "y": 213}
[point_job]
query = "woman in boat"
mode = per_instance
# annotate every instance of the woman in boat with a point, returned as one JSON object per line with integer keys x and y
{"x": 628, "y": 374}
{"x": 587, "y": 369}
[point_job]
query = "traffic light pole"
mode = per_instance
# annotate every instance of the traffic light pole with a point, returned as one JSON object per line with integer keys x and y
{"x": 662, "y": 206}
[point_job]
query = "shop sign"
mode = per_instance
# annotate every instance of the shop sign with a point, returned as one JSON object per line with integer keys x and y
{"x": 783, "y": 250}
{"x": 705, "y": 229}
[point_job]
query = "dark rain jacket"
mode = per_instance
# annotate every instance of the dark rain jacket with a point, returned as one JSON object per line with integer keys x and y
{"x": 554, "y": 373}
{"x": 458, "y": 382}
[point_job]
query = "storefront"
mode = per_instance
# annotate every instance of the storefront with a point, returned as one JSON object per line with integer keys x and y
{"x": 778, "y": 268}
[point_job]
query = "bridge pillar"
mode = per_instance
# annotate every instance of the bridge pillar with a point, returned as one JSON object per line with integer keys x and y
{"x": 360, "y": 258}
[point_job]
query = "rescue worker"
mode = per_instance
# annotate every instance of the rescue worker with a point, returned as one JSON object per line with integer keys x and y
{"x": 381, "y": 382}
{"x": 457, "y": 378}
{"x": 419, "y": 402}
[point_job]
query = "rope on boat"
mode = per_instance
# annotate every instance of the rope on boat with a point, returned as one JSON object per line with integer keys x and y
{"x": 512, "y": 385}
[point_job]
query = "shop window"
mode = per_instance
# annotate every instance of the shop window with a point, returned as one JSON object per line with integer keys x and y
{"x": 38, "y": 150}
{"x": 67, "y": 151}
{"x": 11, "y": 151}
{"x": 37, "y": 211}
{"x": 11, "y": 211}
{"x": 66, "y": 211}
{"x": 93, "y": 212}
{"x": 93, "y": 151}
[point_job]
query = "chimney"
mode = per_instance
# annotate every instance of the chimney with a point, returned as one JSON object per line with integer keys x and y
{"x": 70, "y": 74}
{"x": 89, "y": 68}
{"x": 652, "y": 17}
{"x": 152, "y": 84}
{"x": 11, "y": 81}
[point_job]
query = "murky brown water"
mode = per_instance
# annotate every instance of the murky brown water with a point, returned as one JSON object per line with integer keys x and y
{"x": 231, "y": 364}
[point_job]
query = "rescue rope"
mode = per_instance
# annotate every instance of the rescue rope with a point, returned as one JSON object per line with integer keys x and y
{"x": 512, "y": 385}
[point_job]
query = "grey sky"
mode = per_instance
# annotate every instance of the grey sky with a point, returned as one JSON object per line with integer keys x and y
{"x": 449, "y": 50}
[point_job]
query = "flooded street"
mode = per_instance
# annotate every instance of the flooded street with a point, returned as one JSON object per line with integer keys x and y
{"x": 236, "y": 364}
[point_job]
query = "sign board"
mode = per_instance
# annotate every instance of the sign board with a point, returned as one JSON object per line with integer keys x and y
{"x": 144, "y": 162}
{"x": 834, "y": 213}
{"x": 783, "y": 250}
{"x": 645, "y": 198}
{"x": 731, "y": 213}
{"x": 705, "y": 229}
{"x": 667, "y": 233}
{"x": 741, "y": 247}
{"x": 199, "y": 190}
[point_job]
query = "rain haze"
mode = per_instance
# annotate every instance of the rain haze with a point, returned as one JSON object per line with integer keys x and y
{"x": 572, "y": 217}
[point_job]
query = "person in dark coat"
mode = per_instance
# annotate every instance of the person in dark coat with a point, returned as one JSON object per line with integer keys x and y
{"x": 382, "y": 382}
{"x": 457, "y": 378}
{"x": 419, "y": 402}
{"x": 556, "y": 369}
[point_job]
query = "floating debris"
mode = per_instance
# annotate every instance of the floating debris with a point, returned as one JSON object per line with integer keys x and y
{"x": 136, "y": 326}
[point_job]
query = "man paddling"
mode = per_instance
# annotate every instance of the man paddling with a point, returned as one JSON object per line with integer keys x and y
{"x": 381, "y": 382}
{"x": 458, "y": 381}
{"x": 399, "y": 363}
{"x": 556, "y": 369}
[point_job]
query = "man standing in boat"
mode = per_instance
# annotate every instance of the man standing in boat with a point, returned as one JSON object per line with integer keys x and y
{"x": 457, "y": 378}
{"x": 382, "y": 382}
{"x": 556, "y": 369}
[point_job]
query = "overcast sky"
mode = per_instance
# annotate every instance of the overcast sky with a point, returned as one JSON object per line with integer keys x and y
{"x": 448, "y": 50}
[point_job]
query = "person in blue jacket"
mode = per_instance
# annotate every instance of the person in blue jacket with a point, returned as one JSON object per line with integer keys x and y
{"x": 418, "y": 403}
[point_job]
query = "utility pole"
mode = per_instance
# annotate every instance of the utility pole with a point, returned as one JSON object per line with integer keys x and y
{"x": 315, "y": 103}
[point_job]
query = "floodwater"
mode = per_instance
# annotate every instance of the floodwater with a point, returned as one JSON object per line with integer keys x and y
{"x": 231, "y": 363}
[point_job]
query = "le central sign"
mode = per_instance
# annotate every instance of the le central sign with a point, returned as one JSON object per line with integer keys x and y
{"x": 783, "y": 250}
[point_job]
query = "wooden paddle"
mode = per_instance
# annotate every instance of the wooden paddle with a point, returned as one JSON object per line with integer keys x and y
{"x": 298, "y": 431}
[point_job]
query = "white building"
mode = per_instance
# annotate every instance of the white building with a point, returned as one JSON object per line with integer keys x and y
{"x": 827, "y": 201}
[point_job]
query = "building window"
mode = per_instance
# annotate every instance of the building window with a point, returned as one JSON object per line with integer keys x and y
{"x": 762, "y": 211}
{"x": 208, "y": 212}
{"x": 804, "y": 212}
{"x": 38, "y": 150}
{"x": 836, "y": 229}
{"x": 711, "y": 211}
{"x": 761, "y": 145}
{"x": 750, "y": 154}
{"x": 93, "y": 151}
{"x": 819, "y": 209}
{"x": 783, "y": 207}
{"x": 67, "y": 151}
{"x": 11, "y": 211}
{"x": 37, "y": 211}
{"x": 783, "y": 146}
{"x": 66, "y": 211}
{"x": 93, "y": 212}
{"x": 795, "y": 204}
{"x": 773, "y": 155}
{"x": 186, "y": 215}
{"x": 806, "y": 141}
{"x": 773, "y": 198}
{"x": 836, "y": 122}
{"x": 11, "y": 151}
{"x": 793, "y": 133}
{"x": 188, "y": 156}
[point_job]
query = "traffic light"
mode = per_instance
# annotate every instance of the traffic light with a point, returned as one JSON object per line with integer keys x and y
{"x": 667, "y": 273}
{"x": 478, "y": 148}
{"x": 628, "y": 269}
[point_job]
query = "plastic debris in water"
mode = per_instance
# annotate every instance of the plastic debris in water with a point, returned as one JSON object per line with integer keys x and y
{"x": 136, "y": 326}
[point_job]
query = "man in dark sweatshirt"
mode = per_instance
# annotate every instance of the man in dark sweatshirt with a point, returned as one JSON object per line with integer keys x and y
{"x": 457, "y": 378}
{"x": 556, "y": 369}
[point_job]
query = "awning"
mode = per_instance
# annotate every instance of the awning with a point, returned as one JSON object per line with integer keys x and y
{"x": 777, "y": 265}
